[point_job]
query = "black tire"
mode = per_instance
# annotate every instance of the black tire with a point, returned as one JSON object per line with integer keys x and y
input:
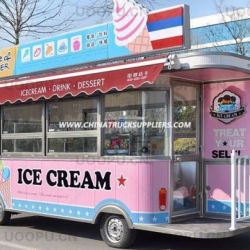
{"x": 4, "y": 215}
{"x": 115, "y": 231}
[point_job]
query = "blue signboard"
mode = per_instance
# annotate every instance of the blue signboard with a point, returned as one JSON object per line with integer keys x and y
{"x": 86, "y": 45}
{"x": 126, "y": 35}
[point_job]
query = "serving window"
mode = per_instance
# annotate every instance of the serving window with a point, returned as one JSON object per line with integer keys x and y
{"x": 132, "y": 119}
{"x": 72, "y": 115}
{"x": 115, "y": 124}
{"x": 22, "y": 128}
{"x": 22, "y": 145}
{"x": 71, "y": 126}
{"x": 73, "y": 145}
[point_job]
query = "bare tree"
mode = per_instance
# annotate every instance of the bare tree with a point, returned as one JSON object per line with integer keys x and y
{"x": 36, "y": 18}
{"x": 19, "y": 18}
{"x": 234, "y": 28}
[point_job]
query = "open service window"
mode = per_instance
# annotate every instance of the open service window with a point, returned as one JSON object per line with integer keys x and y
{"x": 136, "y": 122}
{"x": 72, "y": 126}
{"x": 22, "y": 129}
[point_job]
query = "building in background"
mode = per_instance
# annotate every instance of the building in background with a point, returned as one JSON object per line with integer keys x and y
{"x": 224, "y": 32}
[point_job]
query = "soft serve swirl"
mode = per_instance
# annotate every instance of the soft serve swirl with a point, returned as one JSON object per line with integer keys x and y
{"x": 129, "y": 20}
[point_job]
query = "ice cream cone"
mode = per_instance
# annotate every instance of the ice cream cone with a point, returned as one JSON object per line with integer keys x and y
{"x": 141, "y": 44}
{"x": 129, "y": 20}
{"x": 5, "y": 193}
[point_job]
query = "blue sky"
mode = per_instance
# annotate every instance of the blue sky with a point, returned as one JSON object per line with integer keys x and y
{"x": 203, "y": 7}
{"x": 198, "y": 8}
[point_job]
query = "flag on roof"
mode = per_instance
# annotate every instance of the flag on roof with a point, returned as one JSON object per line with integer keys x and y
{"x": 166, "y": 28}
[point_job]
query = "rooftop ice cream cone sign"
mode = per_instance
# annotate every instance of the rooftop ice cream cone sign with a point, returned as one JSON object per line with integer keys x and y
{"x": 129, "y": 19}
{"x": 164, "y": 29}
{"x": 133, "y": 30}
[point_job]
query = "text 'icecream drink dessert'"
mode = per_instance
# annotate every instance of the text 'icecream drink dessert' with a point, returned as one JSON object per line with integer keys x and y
{"x": 129, "y": 20}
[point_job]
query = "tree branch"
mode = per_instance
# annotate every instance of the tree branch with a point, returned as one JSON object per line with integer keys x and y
{"x": 232, "y": 27}
{"x": 31, "y": 16}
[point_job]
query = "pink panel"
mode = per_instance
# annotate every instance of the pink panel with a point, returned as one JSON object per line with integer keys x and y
{"x": 44, "y": 192}
{"x": 160, "y": 177}
{"x": 135, "y": 184}
{"x": 150, "y": 183}
{"x": 104, "y": 194}
{"x": 129, "y": 193}
{"x": 237, "y": 133}
{"x": 218, "y": 179}
{"x": 220, "y": 139}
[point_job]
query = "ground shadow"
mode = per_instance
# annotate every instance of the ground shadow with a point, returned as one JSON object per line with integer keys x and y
{"x": 145, "y": 240}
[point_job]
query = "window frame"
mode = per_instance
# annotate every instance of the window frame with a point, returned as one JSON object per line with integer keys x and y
{"x": 45, "y": 135}
{"x": 167, "y": 134}
{"x": 73, "y": 134}
{"x": 196, "y": 154}
{"x": 24, "y": 136}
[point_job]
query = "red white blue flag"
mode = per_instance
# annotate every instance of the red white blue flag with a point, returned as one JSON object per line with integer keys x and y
{"x": 167, "y": 27}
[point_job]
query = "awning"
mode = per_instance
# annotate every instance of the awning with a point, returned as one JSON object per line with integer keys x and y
{"x": 88, "y": 81}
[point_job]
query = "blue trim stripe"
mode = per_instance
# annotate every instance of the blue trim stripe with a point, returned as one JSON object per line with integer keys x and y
{"x": 165, "y": 24}
{"x": 84, "y": 213}
{"x": 152, "y": 218}
{"x": 61, "y": 210}
{"x": 224, "y": 207}
{"x": 142, "y": 218}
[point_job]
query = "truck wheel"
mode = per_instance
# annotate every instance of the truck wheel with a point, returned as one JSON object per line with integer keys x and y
{"x": 4, "y": 215}
{"x": 115, "y": 232}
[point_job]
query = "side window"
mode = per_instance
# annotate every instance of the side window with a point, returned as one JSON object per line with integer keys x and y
{"x": 185, "y": 112}
{"x": 132, "y": 118}
{"x": 72, "y": 126}
{"x": 22, "y": 128}
{"x": 72, "y": 115}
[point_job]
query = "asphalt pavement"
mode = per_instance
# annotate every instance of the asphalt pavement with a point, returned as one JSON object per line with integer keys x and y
{"x": 27, "y": 232}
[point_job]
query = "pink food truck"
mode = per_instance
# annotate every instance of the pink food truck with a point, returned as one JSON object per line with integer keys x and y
{"x": 120, "y": 125}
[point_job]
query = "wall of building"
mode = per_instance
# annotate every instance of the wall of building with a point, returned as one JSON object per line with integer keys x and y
{"x": 202, "y": 29}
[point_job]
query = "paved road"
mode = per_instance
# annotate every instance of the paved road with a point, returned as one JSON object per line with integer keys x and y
{"x": 32, "y": 232}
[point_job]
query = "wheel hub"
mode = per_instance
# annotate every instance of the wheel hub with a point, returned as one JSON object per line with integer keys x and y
{"x": 114, "y": 230}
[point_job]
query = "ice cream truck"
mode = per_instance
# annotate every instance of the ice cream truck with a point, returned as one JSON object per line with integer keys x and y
{"x": 121, "y": 125}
